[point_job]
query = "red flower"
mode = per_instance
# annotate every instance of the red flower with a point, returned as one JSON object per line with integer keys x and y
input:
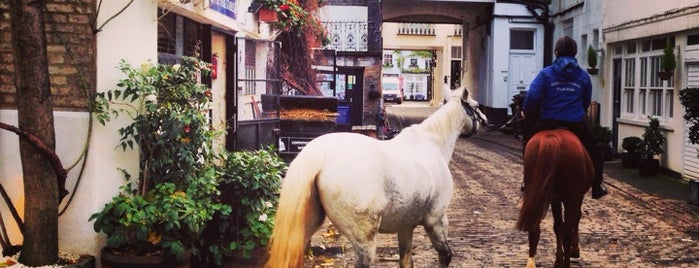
{"x": 284, "y": 7}
{"x": 207, "y": 93}
{"x": 187, "y": 129}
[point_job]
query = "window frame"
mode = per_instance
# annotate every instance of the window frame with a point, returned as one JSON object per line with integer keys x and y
{"x": 643, "y": 93}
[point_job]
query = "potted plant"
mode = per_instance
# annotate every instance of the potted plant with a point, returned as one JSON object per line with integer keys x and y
{"x": 592, "y": 60}
{"x": 630, "y": 158}
{"x": 282, "y": 14}
{"x": 161, "y": 212}
{"x": 250, "y": 184}
{"x": 653, "y": 140}
{"x": 604, "y": 136}
{"x": 667, "y": 61}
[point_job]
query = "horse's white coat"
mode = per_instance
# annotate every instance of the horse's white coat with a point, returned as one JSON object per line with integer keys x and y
{"x": 367, "y": 186}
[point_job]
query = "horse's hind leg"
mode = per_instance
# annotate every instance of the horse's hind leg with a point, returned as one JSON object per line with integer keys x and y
{"x": 533, "y": 243}
{"x": 362, "y": 234}
{"x": 405, "y": 246}
{"x": 562, "y": 232}
{"x": 365, "y": 249}
{"x": 438, "y": 236}
{"x": 575, "y": 244}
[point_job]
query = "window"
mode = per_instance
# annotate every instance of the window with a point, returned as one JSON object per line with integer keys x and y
{"x": 456, "y": 52}
{"x": 644, "y": 93}
{"x": 413, "y": 62}
{"x": 522, "y": 39}
{"x": 568, "y": 28}
{"x": 693, "y": 39}
{"x": 388, "y": 60}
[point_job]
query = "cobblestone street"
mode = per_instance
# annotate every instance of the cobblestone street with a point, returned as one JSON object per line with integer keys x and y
{"x": 627, "y": 228}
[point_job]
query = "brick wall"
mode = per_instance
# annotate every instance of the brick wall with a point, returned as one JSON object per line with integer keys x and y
{"x": 71, "y": 54}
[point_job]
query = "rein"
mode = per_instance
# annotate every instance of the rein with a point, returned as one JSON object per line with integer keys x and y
{"x": 474, "y": 117}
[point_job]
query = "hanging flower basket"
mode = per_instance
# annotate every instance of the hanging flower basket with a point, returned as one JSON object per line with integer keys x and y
{"x": 665, "y": 75}
{"x": 268, "y": 15}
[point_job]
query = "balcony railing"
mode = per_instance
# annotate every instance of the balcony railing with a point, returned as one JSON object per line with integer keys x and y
{"x": 458, "y": 30}
{"x": 416, "y": 29}
{"x": 347, "y": 35}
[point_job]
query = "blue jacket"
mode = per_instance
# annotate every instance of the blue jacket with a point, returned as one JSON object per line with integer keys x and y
{"x": 561, "y": 92}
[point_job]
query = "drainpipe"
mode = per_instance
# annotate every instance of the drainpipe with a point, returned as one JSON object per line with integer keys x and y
{"x": 545, "y": 19}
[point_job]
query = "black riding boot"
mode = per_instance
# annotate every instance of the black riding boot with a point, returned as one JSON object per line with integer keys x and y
{"x": 598, "y": 188}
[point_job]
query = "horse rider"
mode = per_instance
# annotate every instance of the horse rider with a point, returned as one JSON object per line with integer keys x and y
{"x": 559, "y": 97}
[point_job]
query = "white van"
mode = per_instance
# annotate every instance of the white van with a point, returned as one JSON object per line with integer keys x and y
{"x": 391, "y": 91}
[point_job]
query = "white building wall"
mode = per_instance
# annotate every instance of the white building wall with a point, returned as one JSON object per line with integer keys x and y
{"x": 498, "y": 95}
{"x": 117, "y": 40}
{"x": 441, "y": 42}
{"x": 653, "y": 19}
{"x": 587, "y": 30}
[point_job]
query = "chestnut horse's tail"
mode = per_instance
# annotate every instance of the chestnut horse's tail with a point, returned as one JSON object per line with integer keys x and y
{"x": 540, "y": 168}
{"x": 299, "y": 213}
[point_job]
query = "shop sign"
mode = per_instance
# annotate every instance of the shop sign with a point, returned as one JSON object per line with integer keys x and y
{"x": 225, "y": 7}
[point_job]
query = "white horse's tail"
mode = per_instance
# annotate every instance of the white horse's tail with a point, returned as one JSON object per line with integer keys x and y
{"x": 299, "y": 214}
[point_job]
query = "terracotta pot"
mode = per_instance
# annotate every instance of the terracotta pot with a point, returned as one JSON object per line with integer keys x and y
{"x": 112, "y": 260}
{"x": 267, "y": 15}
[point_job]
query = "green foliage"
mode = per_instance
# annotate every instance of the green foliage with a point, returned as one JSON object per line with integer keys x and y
{"x": 631, "y": 144}
{"x": 292, "y": 17}
{"x": 603, "y": 134}
{"x": 177, "y": 192}
{"x": 689, "y": 97}
{"x": 668, "y": 61}
{"x": 250, "y": 185}
{"x": 653, "y": 140}
{"x": 591, "y": 57}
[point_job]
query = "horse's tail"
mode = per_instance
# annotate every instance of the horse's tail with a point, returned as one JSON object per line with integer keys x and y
{"x": 299, "y": 213}
{"x": 540, "y": 168}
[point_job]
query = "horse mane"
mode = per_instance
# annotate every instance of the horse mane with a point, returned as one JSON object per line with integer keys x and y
{"x": 443, "y": 126}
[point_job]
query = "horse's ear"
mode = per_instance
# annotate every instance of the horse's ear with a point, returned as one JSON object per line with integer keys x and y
{"x": 464, "y": 95}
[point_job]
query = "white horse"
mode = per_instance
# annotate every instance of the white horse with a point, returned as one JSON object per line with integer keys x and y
{"x": 367, "y": 186}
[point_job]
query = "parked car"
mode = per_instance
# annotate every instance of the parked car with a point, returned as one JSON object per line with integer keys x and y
{"x": 390, "y": 90}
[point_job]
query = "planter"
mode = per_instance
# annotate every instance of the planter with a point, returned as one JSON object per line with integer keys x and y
{"x": 648, "y": 167}
{"x": 592, "y": 70}
{"x": 110, "y": 259}
{"x": 268, "y": 15}
{"x": 257, "y": 259}
{"x": 88, "y": 262}
{"x": 665, "y": 75}
{"x": 693, "y": 192}
{"x": 630, "y": 160}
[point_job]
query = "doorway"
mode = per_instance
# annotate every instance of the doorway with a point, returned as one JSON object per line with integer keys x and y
{"x": 350, "y": 94}
{"x": 522, "y": 70}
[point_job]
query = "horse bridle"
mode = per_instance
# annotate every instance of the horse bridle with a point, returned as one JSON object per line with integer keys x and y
{"x": 475, "y": 117}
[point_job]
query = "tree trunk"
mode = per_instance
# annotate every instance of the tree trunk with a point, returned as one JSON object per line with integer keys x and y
{"x": 35, "y": 116}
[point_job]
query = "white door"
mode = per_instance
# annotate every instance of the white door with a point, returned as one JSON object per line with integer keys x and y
{"x": 690, "y": 163}
{"x": 522, "y": 70}
{"x": 218, "y": 86}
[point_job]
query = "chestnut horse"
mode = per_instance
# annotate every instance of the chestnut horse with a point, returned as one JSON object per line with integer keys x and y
{"x": 557, "y": 171}
{"x": 367, "y": 186}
